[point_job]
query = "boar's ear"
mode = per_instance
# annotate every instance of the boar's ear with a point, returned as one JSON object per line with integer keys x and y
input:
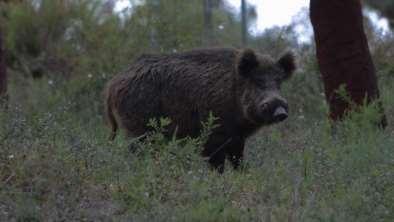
{"x": 246, "y": 62}
{"x": 287, "y": 63}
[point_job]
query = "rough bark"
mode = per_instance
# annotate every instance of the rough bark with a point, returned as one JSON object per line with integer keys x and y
{"x": 343, "y": 54}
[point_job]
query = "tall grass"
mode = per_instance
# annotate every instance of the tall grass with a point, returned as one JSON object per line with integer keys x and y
{"x": 56, "y": 163}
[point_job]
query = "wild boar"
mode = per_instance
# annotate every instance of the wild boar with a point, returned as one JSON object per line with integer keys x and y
{"x": 239, "y": 87}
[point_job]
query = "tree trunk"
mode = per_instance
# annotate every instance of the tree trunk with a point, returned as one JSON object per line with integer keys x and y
{"x": 244, "y": 23}
{"x": 3, "y": 71}
{"x": 343, "y": 54}
{"x": 208, "y": 23}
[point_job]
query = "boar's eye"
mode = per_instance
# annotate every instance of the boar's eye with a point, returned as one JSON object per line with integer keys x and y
{"x": 247, "y": 62}
{"x": 287, "y": 64}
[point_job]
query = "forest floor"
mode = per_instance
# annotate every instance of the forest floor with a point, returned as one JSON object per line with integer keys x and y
{"x": 56, "y": 164}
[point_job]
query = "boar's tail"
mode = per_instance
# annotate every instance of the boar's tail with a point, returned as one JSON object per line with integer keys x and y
{"x": 111, "y": 118}
{"x": 112, "y": 122}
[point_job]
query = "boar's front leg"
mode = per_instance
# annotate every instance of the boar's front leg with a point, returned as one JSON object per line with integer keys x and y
{"x": 235, "y": 151}
{"x": 215, "y": 150}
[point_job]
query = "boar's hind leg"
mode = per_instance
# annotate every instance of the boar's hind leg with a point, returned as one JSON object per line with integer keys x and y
{"x": 215, "y": 151}
{"x": 235, "y": 151}
{"x": 217, "y": 161}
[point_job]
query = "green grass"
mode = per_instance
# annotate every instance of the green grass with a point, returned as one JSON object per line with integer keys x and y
{"x": 56, "y": 164}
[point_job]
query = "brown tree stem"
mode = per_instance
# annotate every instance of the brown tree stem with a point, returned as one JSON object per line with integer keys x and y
{"x": 3, "y": 70}
{"x": 343, "y": 54}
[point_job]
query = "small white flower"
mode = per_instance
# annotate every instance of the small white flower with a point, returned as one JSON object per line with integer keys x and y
{"x": 90, "y": 75}
{"x": 11, "y": 156}
{"x": 221, "y": 27}
{"x": 50, "y": 82}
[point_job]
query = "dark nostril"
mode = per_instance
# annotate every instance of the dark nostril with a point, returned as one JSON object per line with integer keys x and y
{"x": 280, "y": 114}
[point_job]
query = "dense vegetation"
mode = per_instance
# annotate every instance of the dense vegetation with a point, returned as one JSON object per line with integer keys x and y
{"x": 56, "y": 163}
{"x": 384, "y": 7}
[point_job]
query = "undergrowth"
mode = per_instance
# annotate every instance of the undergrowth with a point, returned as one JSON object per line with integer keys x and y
{"x": 57, "y": 165}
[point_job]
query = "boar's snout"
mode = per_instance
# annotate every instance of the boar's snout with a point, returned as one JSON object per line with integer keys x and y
{"x": 275, "y": 110}
{"x": 280, "y": 114}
